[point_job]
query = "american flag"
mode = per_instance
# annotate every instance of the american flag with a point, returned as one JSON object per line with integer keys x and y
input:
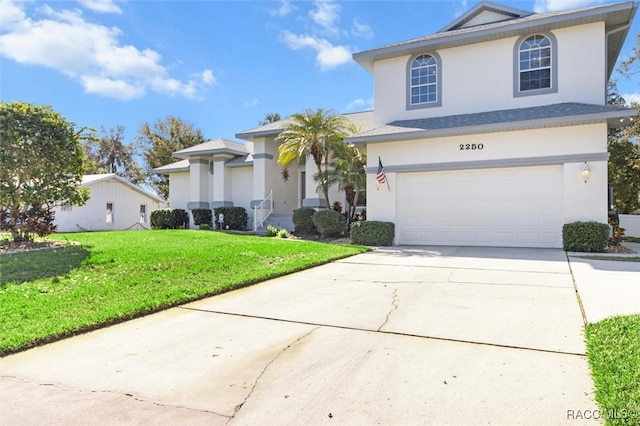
{"x": 381, "y": 177}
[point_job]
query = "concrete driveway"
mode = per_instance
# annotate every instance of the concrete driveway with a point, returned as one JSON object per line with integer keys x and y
{"x": 402, "y": 335}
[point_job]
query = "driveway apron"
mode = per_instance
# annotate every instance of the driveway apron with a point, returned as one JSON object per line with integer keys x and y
{"x": 402, "y": 335}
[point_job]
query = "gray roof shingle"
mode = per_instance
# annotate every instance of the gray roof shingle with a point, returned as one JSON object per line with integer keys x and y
{"x": 493, "y": 121}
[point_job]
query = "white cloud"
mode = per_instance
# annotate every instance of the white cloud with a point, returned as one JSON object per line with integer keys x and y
{"x": 11, "y": 14}
{"x": 328, "y": 56}
{"x": 553, "y": 5}
{"x": 362, "y": 30}
{"x": 326, "y": 15}
{"x": 92, "y": 54}
{"x": 464, "y": 6}
{"x": 251, "y": 102}
{"x": 207, "y": 77}
{"x": 631, "y": 97}
{"x": 360, "y": 104}
{"x": 101, "y": 6}
{"x": 118, "y": 89}
{"x": 284, "y": 9}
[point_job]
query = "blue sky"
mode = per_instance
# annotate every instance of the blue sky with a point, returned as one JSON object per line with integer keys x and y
{"x": 221, "y": 65}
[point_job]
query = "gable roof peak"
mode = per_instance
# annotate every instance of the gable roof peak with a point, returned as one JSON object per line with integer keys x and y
{"x": 492, "y": 12}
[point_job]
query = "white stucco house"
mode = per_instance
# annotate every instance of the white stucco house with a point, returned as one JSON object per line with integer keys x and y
{"x": 492, "y": 132}
{"x": 114, "y": 204}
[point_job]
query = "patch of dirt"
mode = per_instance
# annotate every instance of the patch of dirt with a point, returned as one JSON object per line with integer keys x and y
{"x": 7, "y": 247}
{"x": 619, "y": 249}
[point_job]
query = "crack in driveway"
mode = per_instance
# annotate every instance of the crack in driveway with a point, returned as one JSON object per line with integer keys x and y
{"x": 264, "y": 370}
{"x": 394, "y": 306}
{"x": 124, "y": 394}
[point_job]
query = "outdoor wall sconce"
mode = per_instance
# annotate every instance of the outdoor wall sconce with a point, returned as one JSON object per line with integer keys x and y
{"x": 585, "y": 172}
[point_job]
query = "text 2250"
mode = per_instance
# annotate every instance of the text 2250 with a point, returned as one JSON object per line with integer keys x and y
{"x": 471, "y": 146}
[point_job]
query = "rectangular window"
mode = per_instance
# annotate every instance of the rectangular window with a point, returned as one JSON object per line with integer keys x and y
{"x": 110, "y": 213}
{"x": 143, "y": 213}
{"x": 66, "y": 208}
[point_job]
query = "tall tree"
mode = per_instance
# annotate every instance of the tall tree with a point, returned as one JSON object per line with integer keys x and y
{"x": 315, "y": 134}
{"x": 270, "y": 117}
{"x": 624, "y": 159}
{"x": 41, "y": 165}
{"x": 159, "y": 141}
{"x": 110, "y": 154}
{"x": 347, "y": 171}
{"x": 631, "y": 65}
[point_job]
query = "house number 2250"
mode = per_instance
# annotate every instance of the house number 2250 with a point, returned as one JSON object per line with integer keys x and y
{"x": 472, "y": 146}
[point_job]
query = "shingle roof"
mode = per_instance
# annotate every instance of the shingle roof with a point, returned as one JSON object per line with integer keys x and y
{"x": 217, "y": 146}
{"x": 178, "y": 166}
{"x": 570, "y": 113}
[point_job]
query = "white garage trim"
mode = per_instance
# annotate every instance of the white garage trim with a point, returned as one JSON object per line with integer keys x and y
{"x": 492, "y": 164}
{"x": 514, "y": 207}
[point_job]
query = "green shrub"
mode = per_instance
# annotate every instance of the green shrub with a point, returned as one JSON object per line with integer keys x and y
{"x": 272, "y": 231}
{"x": 303, "y": 220}
{"x": 585, "y": 236}
{"x": 235, "y": 218}
{"x": 205, "y": 227}
{"x": 202, "y": 216}
{"x": 169, "y": 219}
{"x": 282, "y": 233}
{"x": 329, "y": 223}
{"x": 372, "y": 233}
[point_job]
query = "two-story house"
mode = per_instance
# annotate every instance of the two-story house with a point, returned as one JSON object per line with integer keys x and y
{"x": 492, "y": 132}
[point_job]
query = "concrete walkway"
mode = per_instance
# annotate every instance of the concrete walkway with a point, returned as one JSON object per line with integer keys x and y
{"x": 401, "y": 336}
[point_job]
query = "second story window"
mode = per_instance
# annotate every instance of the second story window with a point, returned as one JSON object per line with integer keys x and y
{"x": 423, "y": 75}
{"x": 536, "y": 65}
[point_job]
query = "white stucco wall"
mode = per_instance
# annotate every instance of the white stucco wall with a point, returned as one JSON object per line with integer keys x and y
{"x": 241, "y": 179}
{"x": 631, "y": 224}
{"x": 179, "y": 190}
{"x": 581, "y": 201}
{"x": 479, "y": 77}
{"x": 92, "y": 216}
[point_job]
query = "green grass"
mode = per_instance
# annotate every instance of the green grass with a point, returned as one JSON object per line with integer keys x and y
{"x": 613, "y": 349}
{"x": 114, "y": 276}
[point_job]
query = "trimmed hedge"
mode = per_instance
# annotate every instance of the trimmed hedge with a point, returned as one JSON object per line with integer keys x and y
{"x": 303, "y": 220}
{"x": 169, "y": 219}
{"x": 372, "y": 233}
{"x": 329, "y": 223}
{"x": 235, "y": 218}
{"x": 202, "y": 216}
{"x": 585, "y": 237}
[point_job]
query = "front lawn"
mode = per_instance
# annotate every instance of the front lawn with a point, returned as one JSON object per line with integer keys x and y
{"x": 613, "y": 349}
{"x": 113, "y": 276}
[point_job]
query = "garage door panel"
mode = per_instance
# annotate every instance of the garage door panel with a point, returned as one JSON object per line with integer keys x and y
{"x": 501, "y": 207}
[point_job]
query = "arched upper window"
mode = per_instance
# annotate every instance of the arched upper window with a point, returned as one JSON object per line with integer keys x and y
{"x": 536, "y": 65}
{"x": 424, "y": 81}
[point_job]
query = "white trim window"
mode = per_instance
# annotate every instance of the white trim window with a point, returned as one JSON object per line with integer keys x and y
{"x": 109, "y": 212}
{"x": 423, "y": 76}
{"x": 143, "y": 213}
{"x": 66, "y": 208}
{"x": 535, "y": 63}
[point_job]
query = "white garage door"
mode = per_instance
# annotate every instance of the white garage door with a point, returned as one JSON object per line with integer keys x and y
{"x": 511, "y": 207}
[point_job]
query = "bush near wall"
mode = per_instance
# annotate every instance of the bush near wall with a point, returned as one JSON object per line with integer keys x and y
{"x": 169, "y": 219}
{"x": 372, "y": 233}
{"x": 303, "y": 221}
{"x": 590, "y": 237}
{"x": 236, "y": 218}
{"x": 329, "y": 223}
{"x": 202, "y": 216}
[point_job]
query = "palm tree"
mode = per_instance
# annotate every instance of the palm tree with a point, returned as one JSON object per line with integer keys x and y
{"x": 312, "y": 133}
{"x": 347, "y": 170}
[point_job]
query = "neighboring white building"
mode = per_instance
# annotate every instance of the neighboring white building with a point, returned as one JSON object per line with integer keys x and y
{"x": 114, "y": 204}
{"x": 492, "y": 132}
